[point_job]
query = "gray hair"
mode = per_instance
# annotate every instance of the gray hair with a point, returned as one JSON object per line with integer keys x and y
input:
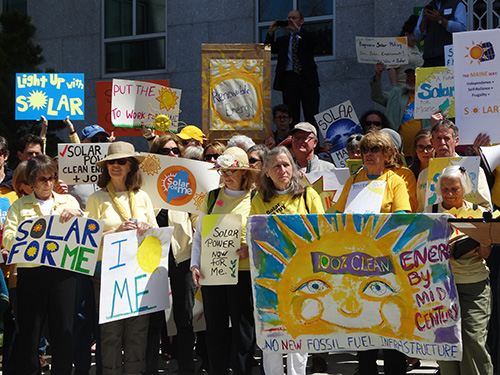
{"x": 261, "y": 149}
{"x": 456, "y": 171}
{"x": 266, "y": 186}
{"x": 241, "y": 141}
{"x": 193, "y": 152}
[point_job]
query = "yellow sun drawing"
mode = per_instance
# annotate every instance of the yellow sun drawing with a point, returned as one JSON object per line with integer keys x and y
{"x": 52, "y": 246}
{"x": 151, "y": 165}
{"x": 475, "y": 52}
{"x": 168, "y": 99}
{"x": 37, "y": 228}
{"x": 162, "y": 123}
{"x": 32, "y": 251}
{"x": 37, "y": 99}
{"x": 92, "y": 227}
{"x": 152, "y": 249}
{"x": 198, "y": 198}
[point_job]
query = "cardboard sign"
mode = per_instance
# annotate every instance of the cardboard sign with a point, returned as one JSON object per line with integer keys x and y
{"x": 73, "y": 246}
{"x": 436, "y": 166}
{"x": 136, "y": 102}
{"x": 477, "y": 84}
{"x": 328, "y": 185}
{"x": 354, "y": 282}
{"x": 134, "y": 274}
{"x": 336, "y": 125}
{"x": 448, "y": 55}
{"x": 435, "y": 90}
{"x": 77, "y": 162}
{"x": 177, "y": 183}
{"x": 390, "y": 51}
{"x": 236, "y": 94}
{"x": 53, "y": 95}
{"x": 365, "y": 197}
{"x": 104, "y": 94}
{"x": 221, "y": 237}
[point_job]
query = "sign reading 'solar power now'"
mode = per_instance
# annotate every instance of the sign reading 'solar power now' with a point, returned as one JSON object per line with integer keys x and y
{"x": 77, "y": 162}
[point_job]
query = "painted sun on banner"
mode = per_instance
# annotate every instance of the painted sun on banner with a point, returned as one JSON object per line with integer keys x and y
{"x": 326, "y": 283}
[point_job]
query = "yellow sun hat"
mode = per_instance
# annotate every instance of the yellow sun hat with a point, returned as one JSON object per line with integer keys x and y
{"x": 120, "y": 150}
{"x": 191, "y": 131}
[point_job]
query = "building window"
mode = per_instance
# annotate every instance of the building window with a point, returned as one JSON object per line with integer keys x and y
{"x": 134, "y": 35}
{"x": 318, "y": 17}
{"x": 483, "y": 14}
{"x": 10, "y": 5}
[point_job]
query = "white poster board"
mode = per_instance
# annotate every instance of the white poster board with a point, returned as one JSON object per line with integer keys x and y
{"x": 136, "y": 102}
{"x": 336, "y": 125}
{"x": 221, "y": 237}
{"x": 77, "y": 162}
{"x": 73, "y": 246}
{"x": 435, "y": 90}
{"x": 134, "y": 279}
{"x": 177, "y": 183}
{"x": 477, "y": 84}
{"x": 390, "y": 51}
{"x": 328, "y": 184}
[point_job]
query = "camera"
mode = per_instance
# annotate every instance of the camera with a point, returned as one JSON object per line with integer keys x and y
{"x": 283, "y": 23}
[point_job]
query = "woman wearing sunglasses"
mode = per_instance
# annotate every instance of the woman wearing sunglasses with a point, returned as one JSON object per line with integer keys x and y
{"x": 377, "y": 151}
{"x": 123, "y": 206}
{"x": 44, "y": 294}
{"x": 212, "y": 151}
{"x": 181, "y": 281}
{"x": 224, "y": 302}
{"x": 421, "y": 152}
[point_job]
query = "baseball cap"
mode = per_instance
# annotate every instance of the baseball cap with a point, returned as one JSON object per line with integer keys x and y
{"x": 304, "y": 126}
{"x": 191, "y": 131}
{"x": 91, "y": 130}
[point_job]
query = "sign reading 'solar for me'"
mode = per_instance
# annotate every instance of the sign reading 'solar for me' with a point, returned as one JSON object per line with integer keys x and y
{"x": 177, "y": 183}
{"x": 52, "y": 95}
{"x": 72, "y": 246}
{"x": 137, "y": 102}
{"x": 77, "y": 162}
{"x": 390, "y": 51}
{"x": 477, "y": 84}
{"x": 221, "y": 237}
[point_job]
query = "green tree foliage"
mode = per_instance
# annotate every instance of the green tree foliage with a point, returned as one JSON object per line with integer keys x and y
{"x": 19, "y": 54}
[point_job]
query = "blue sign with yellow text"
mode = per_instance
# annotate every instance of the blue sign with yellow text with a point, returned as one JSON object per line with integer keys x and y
{"x": 53, "y": 95}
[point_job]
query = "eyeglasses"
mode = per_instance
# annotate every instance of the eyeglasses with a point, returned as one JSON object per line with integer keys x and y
{"x": 374, "y": 149}
{"x": 167, "y": 150}
{"x": 119, "y": 161}
{"x": 186, "y": 142}
{"x": 376, "y": 123}
{"x": 2, "y": 153}
{"x": 302, "y": 139}
{"x": 281, "y": 118}
{"x": 209, "y": 157}
{"x": 354, "y": 138}
{"x": 253, "y": 160}
{"x": 227, "y": 172}
{"x": 98, "y": 139}
{"x": 421, "y": 148}
{"x": 44, "y": 180}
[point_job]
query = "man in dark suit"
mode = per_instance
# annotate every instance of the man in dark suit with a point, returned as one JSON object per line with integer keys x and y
{"x": 296, "y": 72}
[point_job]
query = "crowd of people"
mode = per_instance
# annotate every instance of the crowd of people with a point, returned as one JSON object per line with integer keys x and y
{"x": 44, "y": 304}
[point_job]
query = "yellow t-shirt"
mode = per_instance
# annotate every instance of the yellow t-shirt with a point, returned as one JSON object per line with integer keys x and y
{"x": 411, "y": 185}
{"x": 395, "y": 194}
{"x": 285, "y": 204}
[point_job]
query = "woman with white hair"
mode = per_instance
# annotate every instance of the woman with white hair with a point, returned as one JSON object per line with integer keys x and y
{"x": 467, "y": 260}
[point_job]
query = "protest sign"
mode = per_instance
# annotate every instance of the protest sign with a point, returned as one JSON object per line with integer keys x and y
{"x": 390, "y": 51}
{"x": 53, "y": 95}
{"x": 328, "y": 185}
{"x": 104, "y": 95}
{"x": 477, "y": 84}
{"x": 336, "y": 125}
{"x": 177, "y": 183}
{"x": 77, "y": 162}
{"x": 221, "y": 237}
{"x": 354, "y": 282}
{"x": 137, "y": 102}
{"x": 435, "y": 90}
{"x": 436, "y": 166}
{"x": 73, "y": 246}
{"x": 236, "y": 92}
{"x": 448, "y": 55}
{"x": 134, "y": 277}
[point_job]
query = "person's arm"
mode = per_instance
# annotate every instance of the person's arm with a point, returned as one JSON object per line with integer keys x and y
{"x": 196, "y": 252}
{"x": 73, "y": 135}
{"x": 393, "y": 76}
{"x": 417, "y": 31}
{"x": 400, "y": 199}
{"x": 376, "y": 93}
{"x": 43, "y": 132}
{"x": 459, "y": 21}
{"x": 148, "y": 134}
{"x": 484, "y": 251}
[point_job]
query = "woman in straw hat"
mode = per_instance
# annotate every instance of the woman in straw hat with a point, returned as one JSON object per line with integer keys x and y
{"x": 221, "y": 302}
{"x": 122, "y": 205}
